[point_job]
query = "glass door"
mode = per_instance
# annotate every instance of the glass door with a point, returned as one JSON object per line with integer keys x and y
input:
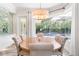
{"x": 23, "y": 27}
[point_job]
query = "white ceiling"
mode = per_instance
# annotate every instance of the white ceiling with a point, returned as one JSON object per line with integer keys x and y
{"x": 22, "y": 6}
{"x": 35, "y": 5}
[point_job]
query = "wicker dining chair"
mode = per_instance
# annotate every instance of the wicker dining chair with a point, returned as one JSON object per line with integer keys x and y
{"x": 20, "y": 51}
{"x": 21, "y": 37}
{"x": 61, "y": 40}
{"x": 62, "y": 46}
{"x": 40, "y": 34}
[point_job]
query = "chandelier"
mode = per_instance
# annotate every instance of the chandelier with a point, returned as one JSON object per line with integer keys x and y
{"x": 40, "y": 13}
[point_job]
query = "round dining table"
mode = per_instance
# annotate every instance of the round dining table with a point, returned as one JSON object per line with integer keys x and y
{"x": 25, "y": 45}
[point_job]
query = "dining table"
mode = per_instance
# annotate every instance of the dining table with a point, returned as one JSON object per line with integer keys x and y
{"x": 26, "y": 45}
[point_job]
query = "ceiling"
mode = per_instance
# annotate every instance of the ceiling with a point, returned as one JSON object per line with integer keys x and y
{"x": 51, "y": 7}
{"x": 35, "y": 5}
{"x": 30, "y": 6}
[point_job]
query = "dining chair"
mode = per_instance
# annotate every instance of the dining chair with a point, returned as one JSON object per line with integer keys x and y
{"x": 20, "y": 51}
{"x": 21, "y": 37}
{"x": 17, "y": 45}
{"x": 61, "y": 40}
{"x": 40, "y": 34}
{"x": 62, "y": 46}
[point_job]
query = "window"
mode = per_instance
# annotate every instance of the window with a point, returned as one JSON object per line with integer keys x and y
{"x": 3, "y": 21}
{"x": 56, "y": 25}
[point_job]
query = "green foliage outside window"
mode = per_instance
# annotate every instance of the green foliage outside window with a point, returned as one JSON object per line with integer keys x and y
{"x": 62, "y": 26}
{"x": 3, "y": 21}
{"x": 3, "y": 25}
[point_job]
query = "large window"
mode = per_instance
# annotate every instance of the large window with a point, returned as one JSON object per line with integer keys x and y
{"x": 3, "y": 25}
{"x": 51, "y": 27}
{"x": 3, "y": 21}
